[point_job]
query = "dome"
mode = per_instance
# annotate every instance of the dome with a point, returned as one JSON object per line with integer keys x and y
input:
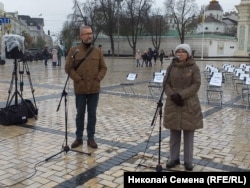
{"x": 214, "y": 5}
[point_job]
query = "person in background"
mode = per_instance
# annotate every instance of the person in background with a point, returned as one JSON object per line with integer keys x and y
{"x": 162, "y": 55}
{"x": 65, "y": 52}
{"x": 87, "y": 79}
{"x": 54, "y": 57}
{"x": 155, "y": 55}
{"x": 138, "y": 58}
{"x": 59, "y": 55}
{"x": 46, "y": 55}
{"x": 144, "y": 58}
{"x": 150, "y": 57}
{"x": 182, "y": 110}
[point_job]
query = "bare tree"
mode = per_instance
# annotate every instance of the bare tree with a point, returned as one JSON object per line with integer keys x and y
{"x": 68, "y": 35}
{"x": 108, "y": 9}
{"x": 182, "y": 12}
{"x": 156, "y": 26}
{"x": 83, "y": 13}
{"x": 86, "y": 13}
{"x": 134, "y": 14}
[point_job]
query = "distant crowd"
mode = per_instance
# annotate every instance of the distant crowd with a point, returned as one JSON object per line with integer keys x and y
{"x": 148, "y": 57}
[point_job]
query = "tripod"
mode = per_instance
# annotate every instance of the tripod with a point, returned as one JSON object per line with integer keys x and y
{"x": 16, "y": 93}
{"x": 65, "y": 148}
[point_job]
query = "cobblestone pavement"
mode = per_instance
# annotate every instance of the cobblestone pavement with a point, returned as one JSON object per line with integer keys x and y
{"x": 128, "y": 131}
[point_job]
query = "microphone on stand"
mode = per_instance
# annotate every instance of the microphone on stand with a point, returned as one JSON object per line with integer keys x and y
{"x": 73, "y": 56}
{"x": 176, "y": 58}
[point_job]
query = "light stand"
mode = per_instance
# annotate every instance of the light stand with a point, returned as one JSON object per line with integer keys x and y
{"x": 65, "y": 148}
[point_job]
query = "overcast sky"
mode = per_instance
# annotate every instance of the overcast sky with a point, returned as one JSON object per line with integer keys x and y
{"x": 54, "y": 12}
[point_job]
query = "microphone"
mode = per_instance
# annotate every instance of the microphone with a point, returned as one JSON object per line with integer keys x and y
{"x": 175, "y": 58}
{"x": 73, "y": 56}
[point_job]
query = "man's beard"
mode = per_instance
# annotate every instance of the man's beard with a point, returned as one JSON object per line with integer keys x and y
{"x": 86, "y": 44}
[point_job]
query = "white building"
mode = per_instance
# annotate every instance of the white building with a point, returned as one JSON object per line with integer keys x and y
{"x": 212, "y": 21}
{"x": 23, "y": 23}
{"x": 243, "y": 29}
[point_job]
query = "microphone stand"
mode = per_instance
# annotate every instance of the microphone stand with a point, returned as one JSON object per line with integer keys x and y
{"x": 66, "y": 148}
{"x": 159, "y": 110}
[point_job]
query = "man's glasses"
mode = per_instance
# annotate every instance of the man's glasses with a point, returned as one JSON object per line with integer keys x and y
{"x": 87, "y": 34}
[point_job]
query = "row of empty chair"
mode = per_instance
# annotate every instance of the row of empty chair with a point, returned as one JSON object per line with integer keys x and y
{"x": 238, "y": 77}
{"x": 154, "y": 85}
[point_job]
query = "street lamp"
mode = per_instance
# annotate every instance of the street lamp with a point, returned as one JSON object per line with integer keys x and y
{"x": 118, "y": 26}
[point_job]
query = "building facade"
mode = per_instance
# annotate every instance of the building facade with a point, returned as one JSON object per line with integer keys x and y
{"x": 243, "y": 29}
{"x": 17, "y": 24}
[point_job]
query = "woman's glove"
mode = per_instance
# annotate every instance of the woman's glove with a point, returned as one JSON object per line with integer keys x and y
{"x": 177, "y": 99}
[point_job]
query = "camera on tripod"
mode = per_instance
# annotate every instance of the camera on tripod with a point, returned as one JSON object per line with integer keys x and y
{"x": 17, "y": 113}
{"x": 12, "y": 46}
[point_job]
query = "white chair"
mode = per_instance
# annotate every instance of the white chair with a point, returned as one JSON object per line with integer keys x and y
{"x": 246, "y": 90}
{"x": 155, "y": 85}
{"x": 214, "y": 89}
{"x": 241, "y": 81}
{"x": 128, "y": 86}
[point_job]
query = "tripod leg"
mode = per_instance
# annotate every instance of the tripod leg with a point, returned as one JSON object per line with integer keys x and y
{"x": 53, "y": 155}
{"x": 159, "y": 166}
{"x": 31, "y": 86}
{"x": 21, "y": 72}
{"x": 10, "y": 90}
{"x": 66, "y": 147}
{"x": 14, "y": 77}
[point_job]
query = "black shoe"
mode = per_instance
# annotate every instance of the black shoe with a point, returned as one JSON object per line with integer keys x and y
{"x": 172, "y": 163}
{"x": 188, "y": 166}
{"x": 76, "y": 143}
{"x": 91, "y": 143}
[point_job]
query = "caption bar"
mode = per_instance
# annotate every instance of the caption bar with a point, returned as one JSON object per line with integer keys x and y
{"x": 209, "y": 179}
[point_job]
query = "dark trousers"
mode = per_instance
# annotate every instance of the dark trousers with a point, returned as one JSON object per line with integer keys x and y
{"x": 82, "y": 101}
{"x": 45, "y": 61}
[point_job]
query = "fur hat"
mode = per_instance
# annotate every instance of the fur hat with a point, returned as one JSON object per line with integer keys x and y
{"x": 185, "y": 47}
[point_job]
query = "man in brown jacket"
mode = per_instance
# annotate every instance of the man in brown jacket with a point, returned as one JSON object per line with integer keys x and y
{"x": 86, "y": 78}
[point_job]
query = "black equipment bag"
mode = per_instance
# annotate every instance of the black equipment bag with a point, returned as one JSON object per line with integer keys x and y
{"x": 18, "y": 114}
{"x": 28, "y": 108}
{"x": 12, "y": 115}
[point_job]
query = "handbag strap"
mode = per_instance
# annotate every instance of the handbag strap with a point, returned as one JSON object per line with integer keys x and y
{"x": 86, "y": 55}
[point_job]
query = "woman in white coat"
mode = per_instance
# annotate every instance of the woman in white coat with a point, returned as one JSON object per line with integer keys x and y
{"x": 54, "y": 57}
